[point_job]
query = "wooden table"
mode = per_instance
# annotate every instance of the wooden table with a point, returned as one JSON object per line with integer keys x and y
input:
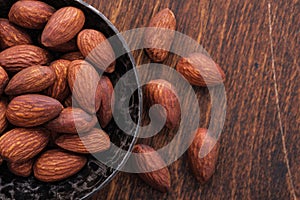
{"x": 257, "y": 43}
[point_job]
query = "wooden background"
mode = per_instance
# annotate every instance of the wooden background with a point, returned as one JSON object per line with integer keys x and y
{"x": 257, "y": 43}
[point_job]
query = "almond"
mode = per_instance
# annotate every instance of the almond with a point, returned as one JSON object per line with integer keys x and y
{"x": 56, "y": 165}
{"x": 63, "y": 25}
{"x": 105, "y": 112}
{"x": 11, "y": 35}
{"x": 165, "y": 19}
{"x": 203, "y": 168}
{"x": 3, "y": 120}
{"x": 32, "y": 110}
{"x": 96, "y": 48}
{"x": 162, "y": 92}
{"x": 73, "y": 56}
{"x": 30, "y": 80}
{"x": 92, "y": 142}
{"x": 30, "y": 14}
{"x": 72, "y": 120}
{"x": 147, "y": 159}
{"x": 23, "y": 169}
{"x": 60, "y": 89}
{"x": 200, "y": 70}
{"x": 3, "y": 80}
{"x": 83, "y": 81}
{"x": 22, "y": 144}
{"x": 19, "y": 57}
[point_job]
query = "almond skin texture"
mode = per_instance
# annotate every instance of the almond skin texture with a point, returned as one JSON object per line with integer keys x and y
{"x": 92, "y": 142}
{"x": 162, "y": 92}
{"x": 22, "y": 144}
{"x": 72, "y": 120}
{"x": 165, "y": 19}
{"x": 200, "y": 70}
{"x": 32, "y": 110}
{"x": 20, "y": 57}
{"x": 105, "y": 112}
{"x": 11, "y": 35}
{"x": 30, "y": 80}
{"x": 56, "y": 165}
{"x": 203, "y": 168}
{"x": 159, "y": 179}
{"x": 23, "y": 169}
{"x": 3, "y": 120}
{"x": 30, "y": 14}
{"x": 83, "y": 81}
{"x": 73, "y": 56}
{"x": 96, "y": 48}
{"x": 3, "y": 80}
{"x": 60, "y": 89}
{"x": 63, "y": 25}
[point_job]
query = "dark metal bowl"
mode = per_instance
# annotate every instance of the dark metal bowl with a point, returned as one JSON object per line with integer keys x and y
{"x": 95, "y": 174}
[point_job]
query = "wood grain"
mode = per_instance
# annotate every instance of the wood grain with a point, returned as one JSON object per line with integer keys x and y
{"x": 259, "y": 155}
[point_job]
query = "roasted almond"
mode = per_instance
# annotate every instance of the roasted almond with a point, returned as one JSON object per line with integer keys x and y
{"x": 30, "y": 14}
{"x": 23, "y": 169}
{"x": 63, "y": 25}
{"x": 73, "y": 56}
{"x": 32, "y": 110}
{"x": 72, "y": 120}
{"x": 19, "y": 57}
{"x": 3, "y": 120}
{"x": 56, "y": 165}
{"x": 3, "y": 80}
{"x": 30, "y": 80}
{"x": 96, "y": 48}
{"x": 200, "y": 70}
{"x": 22, "y": 144}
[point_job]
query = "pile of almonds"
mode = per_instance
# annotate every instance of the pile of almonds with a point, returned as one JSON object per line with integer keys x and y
{"x": 47, "y": 115}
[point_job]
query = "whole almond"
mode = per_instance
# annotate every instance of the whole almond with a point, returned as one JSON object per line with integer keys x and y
{"x": 30, "y": 80}
{"x": 200, "y": 70}
{"x": 148, "y": 158}
{"x": 203, "y": 168}
{"x": 163, "y": 93}
{"x": 60, "y": 89}
{"x": 30, "y": 14}
{"x": 73, "y": 56}
{"x": 158, "y": 36}
{"x": 94, "y": 141}
{"x": 3, "y": 120}
{"x": 72, "y": 120}
{"x": 83, "y": 81}
{"x": 105, "y": 112}
{"x": 3, "y": 80}
{"x": 32, "y": 110}
{"x": 56, "y": 165}
{"x": 22, "y": 144}
{"x": 11, "y": 35}
{"x": 63, "y": 25}
{"x": 19, "y": 57}
{"x": 23, "y": 169}
{"x": 96, "y": 48}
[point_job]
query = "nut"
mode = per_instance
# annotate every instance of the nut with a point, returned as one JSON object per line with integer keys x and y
{"x": 3, "y": 120}
{"x": 23, "y": 169}
{"x": 3, "y": 80}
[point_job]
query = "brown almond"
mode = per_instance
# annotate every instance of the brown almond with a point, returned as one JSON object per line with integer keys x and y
{"x": 96, "y": 48}
{"x": 3, "y": 120}
{"x": 20, "y": 57}
{"x": 60, "y": 89}
{"x": 83, "y": 81}
{"x": 92, "y": 142}
{"x": 23, "y": 169}
{"x": 73, "y": 56}
{"x": 148, "y": 159}
{"x": 72, "y": 120}
{"x": 158, "y": 36}
{"x": 56, "y": 165}
{"x": 11, "y": 35}
{"x": 32, "y": 110}
{"x": 63, "y": 25}
{"x": 105, "y": 112}
{"x": 22, "y": 144}
{"x": 30, "y": 80}
{"x": 3, "y": 80}
{"x": 200, "y": 70}
{"x": 30, "y": 14}
{"x": 203, "y": 168}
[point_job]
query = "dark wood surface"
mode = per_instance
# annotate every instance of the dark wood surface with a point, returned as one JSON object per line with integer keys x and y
{"x": 257, "y": 43}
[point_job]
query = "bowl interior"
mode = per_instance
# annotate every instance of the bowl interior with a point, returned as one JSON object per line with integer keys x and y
{"x": 95, "y": 174}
